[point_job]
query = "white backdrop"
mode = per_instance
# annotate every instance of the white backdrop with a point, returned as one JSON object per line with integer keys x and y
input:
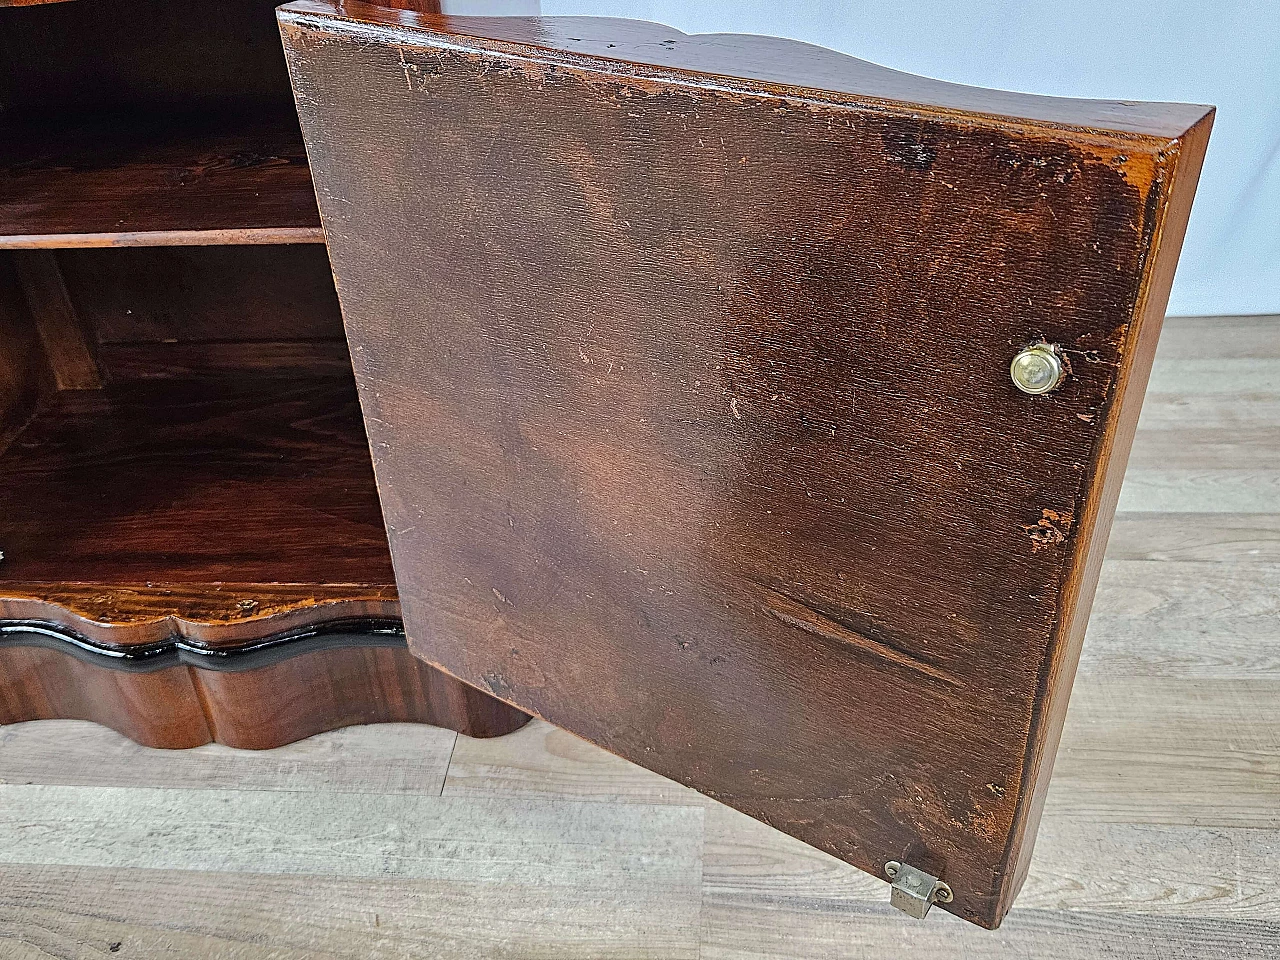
{"x": 1224, "y": 52}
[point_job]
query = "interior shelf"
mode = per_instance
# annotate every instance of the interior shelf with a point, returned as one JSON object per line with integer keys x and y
{"x": 159, "y": 180}
{"x": 217, "y": 508}
{"x": 145, "y": 123}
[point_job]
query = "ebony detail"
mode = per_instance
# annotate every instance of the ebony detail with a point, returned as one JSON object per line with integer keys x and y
{"x": 144, "y": 658}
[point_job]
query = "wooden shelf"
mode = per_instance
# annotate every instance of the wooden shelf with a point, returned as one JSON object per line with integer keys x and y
{"x": 161, "y": 180}
{"x": 219, "y": 509}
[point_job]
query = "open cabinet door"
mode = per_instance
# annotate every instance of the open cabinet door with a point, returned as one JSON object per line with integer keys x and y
{"x": 686, "y": 366}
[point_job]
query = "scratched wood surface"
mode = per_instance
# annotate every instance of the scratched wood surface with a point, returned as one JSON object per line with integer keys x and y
{"x": 1160, "y": 839}
{"x": 689, "y": 403}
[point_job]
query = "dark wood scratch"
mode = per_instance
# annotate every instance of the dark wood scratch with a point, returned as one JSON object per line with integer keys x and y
{"x": 795, "y": 613}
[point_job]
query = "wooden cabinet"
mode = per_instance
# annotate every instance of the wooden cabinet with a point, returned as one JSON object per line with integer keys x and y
{"x": 192, "y": 543}
{"x": 692, "y": 367}
{"x": 749, "y": 410}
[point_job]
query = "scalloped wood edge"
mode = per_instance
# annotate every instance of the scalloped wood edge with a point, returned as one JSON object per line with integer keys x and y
{"x": 215, "y": 615}
{"x": 645, "y": 50}
{"x": 256, "y": 696}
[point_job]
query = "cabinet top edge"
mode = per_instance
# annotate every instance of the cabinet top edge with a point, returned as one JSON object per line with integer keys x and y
{"x": 769, "y": 65}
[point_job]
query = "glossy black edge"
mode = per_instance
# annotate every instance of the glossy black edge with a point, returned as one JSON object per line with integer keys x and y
{"x": 179, "y": 651}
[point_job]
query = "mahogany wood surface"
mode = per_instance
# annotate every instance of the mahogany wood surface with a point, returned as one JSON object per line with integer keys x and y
{"x": 211, "y": 507}
{"x": 142, "y": 122}
{"x": 24, "y": 369}
{"x": 228, "y": 509}
{"x": 182, "y": 706}
{"x": 120, "y": 181}
{"x": 162, "y": 296}
{"x": 685, "y": 363}
{"x": 66, "y": 343}
{"x": 183, "y": 469}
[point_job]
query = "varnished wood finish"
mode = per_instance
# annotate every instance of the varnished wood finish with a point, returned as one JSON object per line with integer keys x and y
{"x": 690, "y": 405}
{"x": 24, "y": 369}
{"x": 139, "y": 122}
{"x": 182, "y": 464}
{"x": 120, "y": 181}
{"x": 1168, "y": 206}
{"x": 217, "y": 509}
{"x": 159, "y": 297}
{"x": 221, "y": 510}
{"x": 183, "y": 706}
{"x": 183, "y": 312}
{"x": 65, "y": 341}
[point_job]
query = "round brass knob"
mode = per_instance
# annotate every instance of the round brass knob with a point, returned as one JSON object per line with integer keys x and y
{"x": 1037, "y": 369}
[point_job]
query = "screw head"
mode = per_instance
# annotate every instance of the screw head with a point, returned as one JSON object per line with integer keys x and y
{"x": 1037, "y": 369}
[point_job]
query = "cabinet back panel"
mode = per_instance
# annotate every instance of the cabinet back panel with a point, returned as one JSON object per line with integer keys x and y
{"x": 94, "y": 54}
{"x": 171, "y": 311}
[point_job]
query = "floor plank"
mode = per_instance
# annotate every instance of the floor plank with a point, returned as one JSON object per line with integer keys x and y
{"x": 1209, "y": 490}
{"x": 740, "y": 927}
{"x": 393, "y": 758}
{"x": 540, "y": 760}
{"x": 560, "y": 844}
{"x": 1227, "y": 873}
{"x": 81, "y": 912}
{"x": 1254, "y": 337}
{"x": 563, "y": 878}
{"x": 1170, "y": 752}
{"x": 1234, "y": 538}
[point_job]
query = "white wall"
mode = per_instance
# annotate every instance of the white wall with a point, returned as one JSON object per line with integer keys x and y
{"x": 1224, "y": 52}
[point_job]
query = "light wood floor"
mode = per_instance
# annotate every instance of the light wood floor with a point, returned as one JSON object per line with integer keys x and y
{"x": 1161, "y": 838}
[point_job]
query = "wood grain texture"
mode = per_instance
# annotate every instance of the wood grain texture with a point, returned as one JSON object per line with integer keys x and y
{"x": 125, "y": 181}
{"x": 220, "y": 513}
{"x": 25, "y": 376}
{"x": 218, "y": 510}
{"x": 381, "y": 758}
{"x": 278, "y": 835}
{"x": 67, "y": 343}
{"x": 198, "y": 312}
{"x": 174, "y": 127}
{"x": 1158, "y": 839}
{"x": 710, "y": 454}
{"x": 1214, "y": 538}
{"x": 181, "y": 706}
{"x": 737, "y": 928}
{"x": 417, "y": 874}
{"x": 652, "y": 914}
{"x": 211, "y": 295}
{"x": 540, "y": 761}
{"x": 1232, "y": 880}
{"x": 747, "y": 61}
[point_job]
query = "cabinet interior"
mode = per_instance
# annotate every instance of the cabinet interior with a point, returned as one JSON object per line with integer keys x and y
{"x": 175, "y": 125}
{"x": 179, "y": 430}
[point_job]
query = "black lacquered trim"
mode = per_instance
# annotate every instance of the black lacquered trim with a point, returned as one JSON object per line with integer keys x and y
{"x": 178, "y": 650}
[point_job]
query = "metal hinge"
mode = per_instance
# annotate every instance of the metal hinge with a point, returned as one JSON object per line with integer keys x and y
{"x": 914, "y": 891}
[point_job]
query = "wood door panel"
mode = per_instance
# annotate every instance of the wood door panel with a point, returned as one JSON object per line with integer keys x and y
{"x": 690, "y": 404}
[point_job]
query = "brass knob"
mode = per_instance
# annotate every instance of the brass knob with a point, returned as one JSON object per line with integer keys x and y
{"x": 1037, "y": 369}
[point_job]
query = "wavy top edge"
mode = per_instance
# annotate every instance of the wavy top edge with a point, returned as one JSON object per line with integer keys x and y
{"x": 771, "y": 62}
